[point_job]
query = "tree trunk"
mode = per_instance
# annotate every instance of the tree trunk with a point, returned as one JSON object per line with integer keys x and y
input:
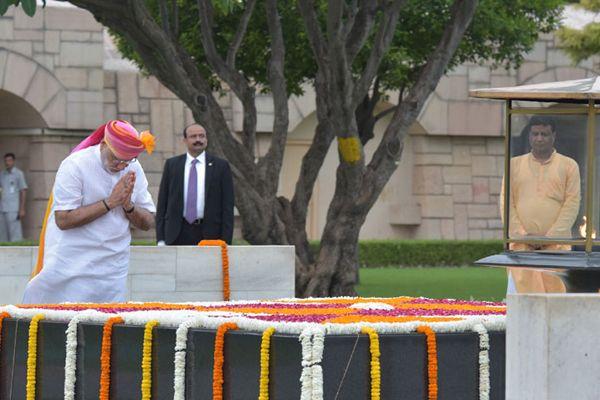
{"x": 335, "y": 272}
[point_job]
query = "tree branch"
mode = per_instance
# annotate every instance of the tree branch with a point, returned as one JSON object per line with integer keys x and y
{"x": 361, "y": 28}
{"x": 350, "y": 11}
{"x": 335, "y": 26}
{"x": 382, "y": 42}
{"x": 271, "y": 163}
{"x": 312, "y": 162}
{"x": 240, "y": 33}
{"x": 394, "y": 108}
{"x": 365, "y": 119}
{"x": 175, "y": 9}
{"x": 385, "y": 158}
{"x": 164, "y": 16}
{"x": 313, "y": 30}
{"x": 236, "y": 81}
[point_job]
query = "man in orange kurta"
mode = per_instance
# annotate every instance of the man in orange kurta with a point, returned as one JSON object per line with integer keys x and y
{"x": 544, "y": 202}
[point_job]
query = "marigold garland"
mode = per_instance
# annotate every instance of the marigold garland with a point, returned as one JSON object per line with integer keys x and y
{"x": 432, "y": 365}
{"x": 2, "y": 316}
{"x": 32, "y": 356}
{"x": 105, "y": 356}
{"x": 220, "y": 359}
{"x": 375, "y": 364}
{"x": 224, "y": 262}
{"x": 265, "y": 348}
{"x": 147, "y": 360}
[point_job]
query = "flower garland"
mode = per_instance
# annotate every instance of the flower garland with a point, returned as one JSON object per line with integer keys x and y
{"x": 3, "y": 315}
{"x": 220, "y": 359}
{"x": 105, "y": 356}
{"x": 318, "y": 343}
{"x": 71, "y": 358}
{"x": 147, "y": 360}
{"x": 71, "y": 349}
{"x": 225, "y": 264}
{"x": 375, "y": 365}
{"x": 305, "y": 339}
{"x": 179, "y": 361}
{"x": 484, "y": 362}
{"x": 265, "y": 348}
{"x": 32, "y": 356}
{"x": 312, "y": 340}
{"x": 432, "y": 366}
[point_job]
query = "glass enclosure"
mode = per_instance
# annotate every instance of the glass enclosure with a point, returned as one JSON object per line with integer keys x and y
{"x": 551, "y": 193}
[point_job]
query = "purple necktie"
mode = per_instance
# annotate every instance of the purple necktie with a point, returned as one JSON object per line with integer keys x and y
{"x": 191, "y": 208}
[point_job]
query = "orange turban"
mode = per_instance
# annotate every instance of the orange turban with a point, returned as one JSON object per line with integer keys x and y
{"x": 124, "y": 140}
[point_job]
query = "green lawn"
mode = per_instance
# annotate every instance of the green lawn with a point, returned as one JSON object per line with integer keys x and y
{"x": 470, "y": 283}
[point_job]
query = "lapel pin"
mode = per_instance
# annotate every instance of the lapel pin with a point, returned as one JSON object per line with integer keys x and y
{"x": 210, "y": 164}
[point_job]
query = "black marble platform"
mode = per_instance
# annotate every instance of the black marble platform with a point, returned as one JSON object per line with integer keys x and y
{"x": 403, "y": 364}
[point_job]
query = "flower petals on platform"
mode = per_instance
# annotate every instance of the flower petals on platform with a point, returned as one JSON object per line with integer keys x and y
{"x": 310, "y": 319}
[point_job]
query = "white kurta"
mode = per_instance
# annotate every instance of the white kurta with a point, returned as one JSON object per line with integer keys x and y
{"x": 88, "y": 263}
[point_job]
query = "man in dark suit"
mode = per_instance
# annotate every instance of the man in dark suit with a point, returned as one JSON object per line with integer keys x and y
{"x": 195, "y": 200}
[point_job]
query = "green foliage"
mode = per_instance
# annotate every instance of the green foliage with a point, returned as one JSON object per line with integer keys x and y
{"x": 580, "y": 44}
{"x": 502, "y": 30}
{"x": 583, "y": 43}
{"x": 591, "y": 5}
{"x": 413, "y": 253}
{"x": 29, "y": 6}
{"x": 254, "y": 54}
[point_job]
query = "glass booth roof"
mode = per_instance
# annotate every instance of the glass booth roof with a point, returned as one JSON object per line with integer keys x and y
{"x": 579, "y": 91}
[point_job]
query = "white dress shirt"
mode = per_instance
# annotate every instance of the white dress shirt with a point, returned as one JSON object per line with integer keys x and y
{"x": 200, "y": 173}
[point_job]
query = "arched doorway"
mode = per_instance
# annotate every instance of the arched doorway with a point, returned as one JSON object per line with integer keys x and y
{"x": 20, "y": 123}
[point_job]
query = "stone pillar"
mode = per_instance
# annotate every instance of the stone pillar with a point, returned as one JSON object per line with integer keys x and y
{"x": 552, "y": 350}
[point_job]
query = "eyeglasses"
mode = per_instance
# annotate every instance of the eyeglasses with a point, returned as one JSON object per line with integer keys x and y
{"x": 118, "y": 162}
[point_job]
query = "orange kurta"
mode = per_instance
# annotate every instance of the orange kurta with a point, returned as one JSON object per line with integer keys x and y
{"x": 544, "y": 202}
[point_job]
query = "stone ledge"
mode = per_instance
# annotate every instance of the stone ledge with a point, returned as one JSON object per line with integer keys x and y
{"x": 177, "y": 273}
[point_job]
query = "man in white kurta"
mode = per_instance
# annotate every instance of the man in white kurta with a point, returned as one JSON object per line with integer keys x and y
{"x": 89, "y": 263}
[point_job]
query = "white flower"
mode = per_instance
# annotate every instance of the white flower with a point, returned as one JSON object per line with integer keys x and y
{"x": 71, "y": 349}
{"x": 372, "y": 306}
{"x": 484, "y": 362}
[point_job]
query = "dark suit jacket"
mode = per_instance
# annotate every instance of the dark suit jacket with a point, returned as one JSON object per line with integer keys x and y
{"x": 218, "y": 200}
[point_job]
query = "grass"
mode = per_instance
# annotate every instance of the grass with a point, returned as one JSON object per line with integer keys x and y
{"x": 469, "y": 283}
